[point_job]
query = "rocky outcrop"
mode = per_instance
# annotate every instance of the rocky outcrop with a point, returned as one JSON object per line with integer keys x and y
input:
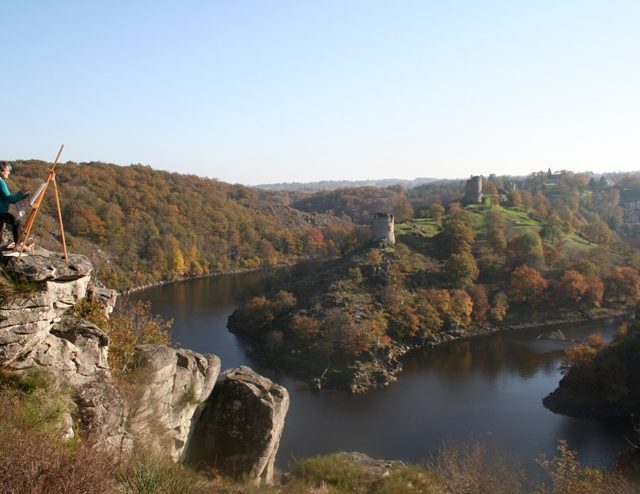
{"x": 107, "y": 297}
{"x": 604, "y": 385}
{"x": 36, "y": 333}
{"x": 245, "y": 416}
{"x": 240, "y": 429}
{"x": 43, "y": 266}
{"x": 26, "y": 319}
{"x": 165, "y": 401}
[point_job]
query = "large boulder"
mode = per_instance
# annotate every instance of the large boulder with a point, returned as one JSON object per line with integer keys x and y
{"x": 35, "y": 333}
{"x": 26, "y": 318}
{"x": 74, "y": 352}
{"x": 43, "y": 265}
{"x": 165, "y": 401}
{"x": 239, "y": 431}
{"x": 101, "y": 412}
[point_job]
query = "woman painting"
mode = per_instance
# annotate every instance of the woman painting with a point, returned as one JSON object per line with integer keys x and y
{"x": 7, "y": 198}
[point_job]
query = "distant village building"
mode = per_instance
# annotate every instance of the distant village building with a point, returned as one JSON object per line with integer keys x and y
{"x": 382, "y": 227}
{"x": 473, "y": 190}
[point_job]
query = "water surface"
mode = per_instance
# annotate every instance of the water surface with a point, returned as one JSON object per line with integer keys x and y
{"x": 489, "y": 387}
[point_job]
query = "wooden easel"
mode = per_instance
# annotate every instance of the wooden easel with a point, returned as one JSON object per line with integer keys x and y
{"x": 35, "y": 206}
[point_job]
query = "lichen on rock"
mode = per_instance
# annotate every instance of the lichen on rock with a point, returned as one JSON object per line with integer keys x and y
{"x": 241, "y": 425}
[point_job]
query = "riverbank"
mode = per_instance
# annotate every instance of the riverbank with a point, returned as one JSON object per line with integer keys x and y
{"x": 208, "y": 275}
{"x": 383, "y": 366}
{"x": 455, "y": 392}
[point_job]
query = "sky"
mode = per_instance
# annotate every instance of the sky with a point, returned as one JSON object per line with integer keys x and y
{"x": 270, "y": 91}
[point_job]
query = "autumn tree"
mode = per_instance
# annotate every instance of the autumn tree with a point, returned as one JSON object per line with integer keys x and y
{"x": 571, "y": 287}
{"x": 435, "y": 210}
{"x": 594, "y": 294}
{"x": 583, "y": 355}
{"x": 527, "y": 285}
{"x": 541, "y": 206}
{"x": 480, "y": 300}
{"x": 461, "y": 309}
{"x": 514, "y": 198}
{"x": 499, "y": 307}
{"x": 624, "y": 285}
{"x": 495, "y": 227}
{"x": 461, "y": 270}
{"x": 457, "y": 232}
{"x": 552, "y": 230}
{"x": 598, "y": 232}
{"x": 304, "y": 327}
{"x": 527, "y": 249}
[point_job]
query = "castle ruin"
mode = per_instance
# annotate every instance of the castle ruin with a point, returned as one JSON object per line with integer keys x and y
{"x": 382, "y": 227}
{"x": 473, "y": 190}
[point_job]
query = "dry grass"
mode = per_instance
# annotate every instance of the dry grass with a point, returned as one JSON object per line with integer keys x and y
{"x": 33, "y": 456}
{"x": 476, "y": 468}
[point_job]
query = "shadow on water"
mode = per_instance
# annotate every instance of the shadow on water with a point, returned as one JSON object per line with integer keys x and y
{"x": 490, "y": 386}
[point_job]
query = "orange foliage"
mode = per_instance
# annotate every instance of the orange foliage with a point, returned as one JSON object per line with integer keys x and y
{"x": 583, "y": 355}
{"x": 480, "y": 299}
{"x": 461, "y": 308}
{"x": 527, "y": 285}
{"x": 625, "y": 285}
{"x": 572, "y": 286}
{"x": 304, "y": 327}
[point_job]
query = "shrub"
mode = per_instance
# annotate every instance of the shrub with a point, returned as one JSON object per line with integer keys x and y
{"x": 11, "y": 286}
{"x": 131, "y": 325}
{"x": 568, "y": 476}
{"x": 33, "y": 456}
{"x": 92, "y": 310}
{"x": 339, "y": 470}
{"x": 581, "y": 357}
{"x": 151, "y": 474}
{"x": 412, "y": 480}
{"x": 477, "y": 469}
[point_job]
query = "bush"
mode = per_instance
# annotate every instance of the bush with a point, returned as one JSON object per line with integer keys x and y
{"x": 477, "y": 469}
{"x": 129, "y": 326}
{"x": 11, "y": 286}
{"x": 33, "y": 456}
{"x": 339, "y": 471}
{"x": 151, "y": 474}
{"x": 412, "y": 480}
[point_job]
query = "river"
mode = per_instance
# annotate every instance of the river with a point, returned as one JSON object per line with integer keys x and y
{"x": 484, "y": 388}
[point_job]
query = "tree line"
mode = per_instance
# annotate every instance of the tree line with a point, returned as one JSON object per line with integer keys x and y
{"x": 141, "y": 226}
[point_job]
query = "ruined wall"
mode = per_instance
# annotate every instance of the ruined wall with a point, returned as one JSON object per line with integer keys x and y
{"x": 382, "y": 227}
{"x": 473, "y": 190}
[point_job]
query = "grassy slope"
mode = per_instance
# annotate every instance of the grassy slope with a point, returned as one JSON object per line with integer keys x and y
{"x": 518, "y": 221}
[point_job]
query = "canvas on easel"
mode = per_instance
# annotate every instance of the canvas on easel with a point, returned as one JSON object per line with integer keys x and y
{"x": 35, "y": 202}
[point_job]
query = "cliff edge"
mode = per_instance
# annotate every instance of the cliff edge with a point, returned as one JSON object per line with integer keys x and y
{"x": 158, "y": 410}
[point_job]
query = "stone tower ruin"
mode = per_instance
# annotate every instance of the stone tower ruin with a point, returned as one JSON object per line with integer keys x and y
{"x": 473, "y": 190}
{"x": 382, "y": 227}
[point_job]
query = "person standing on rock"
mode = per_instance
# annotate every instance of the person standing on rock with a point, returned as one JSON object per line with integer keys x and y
{"x": 7, "y": 198}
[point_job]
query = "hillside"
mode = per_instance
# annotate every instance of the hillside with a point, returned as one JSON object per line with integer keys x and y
{"x": 601, "y": 381}
{"x": 475, "y": 269}
{"x": 340, "y": 184}
{"x": 141, "y": 226}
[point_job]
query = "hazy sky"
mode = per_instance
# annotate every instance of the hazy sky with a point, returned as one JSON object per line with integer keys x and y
{"x": 279, "y": 91}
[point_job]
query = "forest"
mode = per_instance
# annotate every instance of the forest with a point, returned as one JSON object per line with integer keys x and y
{"x": 551, "y": 247}
{"x": 140, "y": 226}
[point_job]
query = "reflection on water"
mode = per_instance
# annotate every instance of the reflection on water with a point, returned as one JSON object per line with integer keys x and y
{"x": 489, "y": 386}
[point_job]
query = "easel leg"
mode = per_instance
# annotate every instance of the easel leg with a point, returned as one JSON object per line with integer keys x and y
{"x": 64, "y": 243}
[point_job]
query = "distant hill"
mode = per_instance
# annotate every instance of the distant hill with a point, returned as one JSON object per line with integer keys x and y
{"x": 342, "y": 324}
{"x": 142, "y": 226}
{"x": 341, "y": 184}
